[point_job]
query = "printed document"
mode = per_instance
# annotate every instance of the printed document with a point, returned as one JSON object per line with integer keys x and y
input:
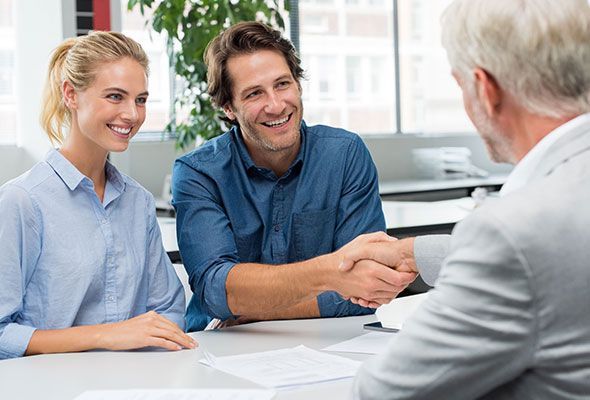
{"x": 370, "y": 343}
{"x": 178, "y": 394}
{"x": 285, "y": 368}
{"x": 394, "y": 314}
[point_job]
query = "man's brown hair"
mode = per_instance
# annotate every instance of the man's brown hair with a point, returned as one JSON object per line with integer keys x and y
{"x": 243, "y": 38}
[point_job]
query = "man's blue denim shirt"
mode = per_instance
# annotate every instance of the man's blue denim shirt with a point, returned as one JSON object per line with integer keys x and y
{"x": 231, "y": 211}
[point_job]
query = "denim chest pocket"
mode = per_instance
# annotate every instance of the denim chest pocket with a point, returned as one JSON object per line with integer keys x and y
{"x": 313, "y": 232}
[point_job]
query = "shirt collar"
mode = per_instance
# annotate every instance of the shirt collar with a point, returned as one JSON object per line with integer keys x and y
{"x": 247, "y": 159}
{"x": 523, "y": 171}
{"x": 302, "y": 149}
{"x": 64, "y": 169}
{"x": 72, "y": 177}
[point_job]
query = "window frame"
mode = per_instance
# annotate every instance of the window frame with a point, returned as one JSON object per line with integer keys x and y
{"x": 398, "y": 102}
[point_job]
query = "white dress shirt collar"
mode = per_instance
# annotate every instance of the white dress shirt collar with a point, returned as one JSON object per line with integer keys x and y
{"x": 522, "y": 172}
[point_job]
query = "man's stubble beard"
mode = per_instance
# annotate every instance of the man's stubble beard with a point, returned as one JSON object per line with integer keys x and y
{"x": 259, "y": 139}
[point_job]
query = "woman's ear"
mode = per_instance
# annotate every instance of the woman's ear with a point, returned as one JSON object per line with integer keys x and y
{"x": 69, "y": 95}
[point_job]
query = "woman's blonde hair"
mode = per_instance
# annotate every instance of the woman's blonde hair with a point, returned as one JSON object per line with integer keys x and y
{"x": 77, "y": 60}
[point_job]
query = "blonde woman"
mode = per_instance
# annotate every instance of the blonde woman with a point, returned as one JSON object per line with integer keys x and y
{"x": 82, "y": 264}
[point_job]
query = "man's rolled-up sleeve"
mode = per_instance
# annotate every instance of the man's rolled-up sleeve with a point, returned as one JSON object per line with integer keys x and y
{"x": 205, "y": 238}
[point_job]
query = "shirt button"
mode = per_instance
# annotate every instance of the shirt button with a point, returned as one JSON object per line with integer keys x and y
{"x": 111, "y": 298}
{"x": 277, "y": 227}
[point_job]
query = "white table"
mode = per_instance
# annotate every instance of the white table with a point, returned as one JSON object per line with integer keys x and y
{"x": 65, "y": 376}
{"x": 408, "y": 214}
{"x": 416, "y": 186}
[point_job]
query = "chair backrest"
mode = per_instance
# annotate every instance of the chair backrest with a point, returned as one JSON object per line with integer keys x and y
{"x": 183, "y": 276}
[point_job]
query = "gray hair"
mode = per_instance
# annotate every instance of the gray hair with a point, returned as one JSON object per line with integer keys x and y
{"x": 537, "y": 50}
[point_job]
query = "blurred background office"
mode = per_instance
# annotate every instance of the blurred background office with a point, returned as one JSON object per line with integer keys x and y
{"x": 375, "y": 67}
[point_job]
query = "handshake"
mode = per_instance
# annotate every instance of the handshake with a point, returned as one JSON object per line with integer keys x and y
{"x": 374, "y": 268}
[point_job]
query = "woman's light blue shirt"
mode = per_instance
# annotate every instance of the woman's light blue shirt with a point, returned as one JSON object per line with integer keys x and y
{"x": 66, "y": 259}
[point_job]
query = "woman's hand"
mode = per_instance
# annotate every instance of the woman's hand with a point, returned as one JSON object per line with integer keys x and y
{"x": 149, "y": 329}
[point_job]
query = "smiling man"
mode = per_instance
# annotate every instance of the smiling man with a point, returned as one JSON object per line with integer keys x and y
{"x": 263, "y": 209}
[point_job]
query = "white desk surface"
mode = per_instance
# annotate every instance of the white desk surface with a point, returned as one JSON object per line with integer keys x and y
{"x": 65, "y": 376}
{"x": 430, "y": 185}
{"x": 407, "y": 214}
{"x": 398, "y": 214}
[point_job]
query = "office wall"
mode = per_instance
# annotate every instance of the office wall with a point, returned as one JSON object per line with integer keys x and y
{"x": 393, "y": 156}
{"x": 14, "y": 161}
{"x": 39, "y": 25}
{"x": 148, "y": 163}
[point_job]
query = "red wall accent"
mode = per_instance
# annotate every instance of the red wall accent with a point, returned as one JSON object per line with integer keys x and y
{"x": 102, "y": 15}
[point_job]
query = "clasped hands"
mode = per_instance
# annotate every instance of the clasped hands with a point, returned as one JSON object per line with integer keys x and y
{"x": 376, "y": 268}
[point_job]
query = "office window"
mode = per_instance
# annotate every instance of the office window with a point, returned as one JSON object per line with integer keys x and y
{"x": 353, "y": 77}
{"x": 358, "y": 35}
{"x": 349, "y": 64}
{"x": 329, "y": 84}
{"x": 325, "y": 2}
{"x": 7, "y": 74}
{"x": 161, "y": 75}
{"x": 430, "y": 99}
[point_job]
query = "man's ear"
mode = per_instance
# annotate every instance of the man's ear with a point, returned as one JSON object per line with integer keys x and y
{"x": 488, "y": 91}
{"x": 229, "y": 112}
{"x": 69, "y": 95}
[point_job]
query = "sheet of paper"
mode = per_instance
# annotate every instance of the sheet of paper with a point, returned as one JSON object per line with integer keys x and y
{"x": 286, "y": 367}
{"x": 394, "y": 314}
{"x": 370, "y": 343}
{"x": 178, "y": 394}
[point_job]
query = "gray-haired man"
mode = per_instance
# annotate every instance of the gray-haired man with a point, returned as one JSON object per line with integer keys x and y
{"x": 508, "y": 317}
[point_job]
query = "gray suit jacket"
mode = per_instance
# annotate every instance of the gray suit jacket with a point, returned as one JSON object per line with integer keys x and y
{"x": 509, "y": 317}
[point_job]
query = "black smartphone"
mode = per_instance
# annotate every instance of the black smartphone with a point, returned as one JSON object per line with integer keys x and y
{"x": 376, "y": 326}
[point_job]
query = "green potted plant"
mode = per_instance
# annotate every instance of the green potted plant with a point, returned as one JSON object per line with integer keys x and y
{"x": 189, "y": 25}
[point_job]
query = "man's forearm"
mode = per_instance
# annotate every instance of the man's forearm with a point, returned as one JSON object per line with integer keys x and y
{"x": 305, "y": 309}
{"x": 265, "y": 290}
